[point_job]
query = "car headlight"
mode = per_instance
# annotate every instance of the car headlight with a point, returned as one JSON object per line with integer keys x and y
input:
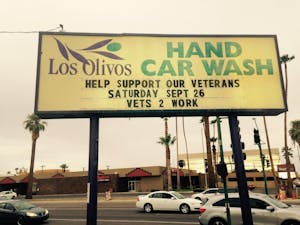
{"x": 46, "y": 212}
{"x": 31, "y": 214}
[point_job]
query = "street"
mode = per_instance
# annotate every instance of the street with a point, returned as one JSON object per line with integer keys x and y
{"x": 113, "y": 212}
{"x": 120, "y": 210}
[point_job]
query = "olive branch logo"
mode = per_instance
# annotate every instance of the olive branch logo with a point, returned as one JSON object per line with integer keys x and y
{"x": 94, "y": 48}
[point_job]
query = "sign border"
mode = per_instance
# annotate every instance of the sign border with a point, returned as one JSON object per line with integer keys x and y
{"x": 154, "y": 113}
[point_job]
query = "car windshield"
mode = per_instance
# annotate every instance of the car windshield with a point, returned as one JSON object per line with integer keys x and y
{"x": 275, "y": 202}
{"x": 179, "y": 196}
{"x": 23, "y": 205}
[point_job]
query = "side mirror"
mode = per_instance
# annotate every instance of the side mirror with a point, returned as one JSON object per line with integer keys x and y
{"x": 270, "y": 208}
{"x": 173, "y": 198}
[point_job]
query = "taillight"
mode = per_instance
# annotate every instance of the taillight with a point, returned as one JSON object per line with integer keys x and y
{"x": 137, "y": 199}
{"x": 202, "y": 210}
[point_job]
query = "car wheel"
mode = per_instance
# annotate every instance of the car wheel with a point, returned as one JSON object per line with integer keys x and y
{"x": 217, "y": 221}
{"x": 148, "y": 208}
{"x": 291, "y": 222}
{"x": 184, "y": 208}
{"x": 20, "y": 221}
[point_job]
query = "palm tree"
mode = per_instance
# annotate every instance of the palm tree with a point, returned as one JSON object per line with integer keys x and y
{"x": 295, "y": 132}
{"x": 64, "y": 167}
{"x": 34, "y": 125}
{"x": 177, "y": 164}
{"x": 167, "y": 140}
{"x": 284, "y": 60}
{"x": 187, "y": 154}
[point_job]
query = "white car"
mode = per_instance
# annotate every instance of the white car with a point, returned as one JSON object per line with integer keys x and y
{"x": 168, "y": 201}
{"x": 265, "y": 210}
{"x": 8, "y": 194}
{"x": 210, "y": 192}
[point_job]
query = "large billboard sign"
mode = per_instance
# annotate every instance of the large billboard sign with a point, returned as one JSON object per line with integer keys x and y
{"x": 119, "y": 75}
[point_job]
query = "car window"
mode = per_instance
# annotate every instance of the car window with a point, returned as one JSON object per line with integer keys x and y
{"x": 219, "y": 203}
{"x": 234, "y": 202}
{"x": 166, "y": 195}
{"x": 156, "y": 195}
{"x": 211, "y": 191}
{"x": 2, "y": 205}
{"x": 258, "y": 204}
{"x": 178, "y": 195}
{"x": 9, "y": 206}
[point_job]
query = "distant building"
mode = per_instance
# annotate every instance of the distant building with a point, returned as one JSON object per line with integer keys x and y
{"x": 141, "y": 179}
{"x": 252, "y": 161}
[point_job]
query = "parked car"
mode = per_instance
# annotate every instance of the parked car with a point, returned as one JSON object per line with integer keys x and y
{"x": 265, "y": 210}
{"x": 8, "y": 195}
{"x": 168, "y": 201}
{"x": 206, "y": 194}
{"x": 21, "y": 212}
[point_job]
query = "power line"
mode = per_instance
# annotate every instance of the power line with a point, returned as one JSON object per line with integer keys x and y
{"x": 60, "y": 28}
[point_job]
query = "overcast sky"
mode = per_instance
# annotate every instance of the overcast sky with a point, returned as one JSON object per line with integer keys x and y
{"x": 127, "y": 142}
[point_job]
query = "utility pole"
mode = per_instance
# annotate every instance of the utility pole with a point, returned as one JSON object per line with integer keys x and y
{"x": 262, "y": 156}
{"x": 224, "y": 178}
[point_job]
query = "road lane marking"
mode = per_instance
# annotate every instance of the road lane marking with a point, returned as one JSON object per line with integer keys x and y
{"x": 127, "y": 221}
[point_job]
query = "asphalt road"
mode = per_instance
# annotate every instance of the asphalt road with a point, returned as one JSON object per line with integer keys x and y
{"x": 71, "y": 210}
{"x": 112, "y": 213}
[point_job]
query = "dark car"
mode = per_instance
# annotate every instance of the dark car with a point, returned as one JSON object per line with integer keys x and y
{"x": 21, "y": 212}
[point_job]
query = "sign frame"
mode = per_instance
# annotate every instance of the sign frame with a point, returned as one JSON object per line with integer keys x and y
{"x": 149, "y": 112}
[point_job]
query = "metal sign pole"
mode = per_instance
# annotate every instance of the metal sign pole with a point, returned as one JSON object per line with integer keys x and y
{"x": 240, "y": 170}
{"x": 92, "y": 186}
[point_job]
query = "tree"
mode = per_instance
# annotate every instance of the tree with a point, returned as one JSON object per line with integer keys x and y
{"x": 34, "y": 125}
{"x": 284, "y": 60}
{"x": 167, "y": 140}
{"x": 187, "y": 155}
{"x": 64, "y": 167}
{"x": 294, "y": 132}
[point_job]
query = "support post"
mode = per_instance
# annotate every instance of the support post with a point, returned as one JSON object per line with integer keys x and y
{"x": 227, "y": 205}
{"x": 240, "y": 170}
{"x": 92, "y": 186}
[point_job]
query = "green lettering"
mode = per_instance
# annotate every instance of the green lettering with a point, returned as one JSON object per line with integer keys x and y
{"x": 185, "y": 65}
{"x": 209, "y": 48}
{"x": 194, "y": 49}
{"x": 144, "y": 67}
{"x": 232, "y": 67}
{"x": 260, "y": 67}
{"x": 178, "y": 49}
{"x": 213, "y": 67}
{"x": 166, "y": 67}
{"x": 232, "y": 49}
{"x": 248, "y": 65}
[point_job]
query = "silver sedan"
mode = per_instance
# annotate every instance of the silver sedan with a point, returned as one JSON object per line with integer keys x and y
{"x": 265, "y": 210}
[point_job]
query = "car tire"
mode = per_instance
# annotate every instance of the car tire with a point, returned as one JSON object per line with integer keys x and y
{"x": 184, "y": 208}
{"x": 217, "y": 221}
{"x": 20, "y": 221}
{"x": 291, "y": 222}
{"x": 148, "y": 208}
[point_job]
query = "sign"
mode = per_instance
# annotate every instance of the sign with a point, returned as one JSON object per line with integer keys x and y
{"x": 119, "y": 75}
{"x": 283, "y": 168}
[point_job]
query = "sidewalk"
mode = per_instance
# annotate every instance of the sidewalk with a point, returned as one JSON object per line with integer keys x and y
{"x": 116, "y": 196}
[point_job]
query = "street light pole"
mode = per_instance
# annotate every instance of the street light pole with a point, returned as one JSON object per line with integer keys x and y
{"x": 262, "y": 157}
{"x": 222, "y": 161}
